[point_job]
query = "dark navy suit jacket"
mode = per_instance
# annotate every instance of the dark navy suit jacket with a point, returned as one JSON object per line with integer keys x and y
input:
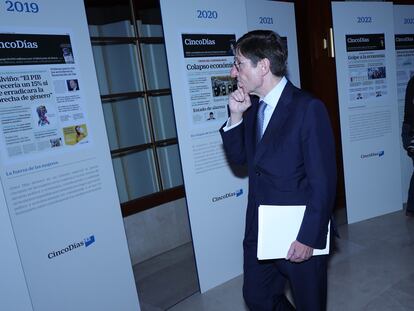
{"x": 293, "y": 164}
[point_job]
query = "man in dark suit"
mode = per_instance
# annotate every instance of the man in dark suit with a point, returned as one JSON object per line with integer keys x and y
{"x": 284, "y": 136}
{"x": 407, "y": 135}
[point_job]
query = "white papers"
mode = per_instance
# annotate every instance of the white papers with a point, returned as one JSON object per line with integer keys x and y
{"x": 278, "y": 228}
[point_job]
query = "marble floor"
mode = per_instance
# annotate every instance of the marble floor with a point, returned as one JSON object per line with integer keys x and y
{"x": 372, "y": 268}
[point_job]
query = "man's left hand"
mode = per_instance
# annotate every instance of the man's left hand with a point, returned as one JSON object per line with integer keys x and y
{"x": 299, "y": 252}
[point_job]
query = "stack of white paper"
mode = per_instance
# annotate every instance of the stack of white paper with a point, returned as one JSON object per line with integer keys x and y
{"x": 278, "y": 228}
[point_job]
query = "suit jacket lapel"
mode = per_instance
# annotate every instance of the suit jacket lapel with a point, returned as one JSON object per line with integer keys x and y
{"x": 278, "y": 119}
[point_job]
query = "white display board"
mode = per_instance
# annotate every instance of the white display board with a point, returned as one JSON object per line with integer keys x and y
{"x": 198, "y": 37}
{"x": 404, "y": 46}
{"x": 62, "y": 208}
{"x": 14, "y": 291}
{"x": 279, "y": 17}
{"x": 370, "y": 129}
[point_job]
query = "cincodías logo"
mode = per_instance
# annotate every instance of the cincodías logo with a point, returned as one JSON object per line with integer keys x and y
{"x": 84, "y": 243}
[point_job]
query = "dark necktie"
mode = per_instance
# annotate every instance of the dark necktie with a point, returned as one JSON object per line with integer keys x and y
{"x": 260, "y": 119}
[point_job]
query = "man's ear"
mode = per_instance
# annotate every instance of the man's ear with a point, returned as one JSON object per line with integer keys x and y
{"x": 264, "y": 65}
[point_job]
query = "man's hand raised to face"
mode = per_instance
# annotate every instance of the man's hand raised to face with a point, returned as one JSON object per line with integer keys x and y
{"x": 239, "y": 102}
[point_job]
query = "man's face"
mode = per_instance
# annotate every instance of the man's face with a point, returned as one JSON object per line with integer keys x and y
{"x": 249, "y": 77}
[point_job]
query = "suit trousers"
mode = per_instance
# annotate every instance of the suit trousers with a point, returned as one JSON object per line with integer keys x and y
{"x": 265, "y": 281}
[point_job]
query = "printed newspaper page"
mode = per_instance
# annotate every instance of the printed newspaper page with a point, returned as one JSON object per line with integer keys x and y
{"x": 41, "y": 103}
{"x": 368, "y": 87}
{"x": 366, "y": 66}
{"x": 208, "y": 60}
{"x": 404, "y": 45}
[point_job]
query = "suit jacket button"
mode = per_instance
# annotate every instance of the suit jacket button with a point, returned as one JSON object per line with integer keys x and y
{"x": 257, "y": 173}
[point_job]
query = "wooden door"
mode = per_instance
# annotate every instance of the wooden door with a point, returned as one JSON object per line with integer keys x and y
{"x": 318, "y": 70}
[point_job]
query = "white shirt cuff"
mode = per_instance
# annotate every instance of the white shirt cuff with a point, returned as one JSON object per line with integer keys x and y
{"x": 229, "y": 127}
